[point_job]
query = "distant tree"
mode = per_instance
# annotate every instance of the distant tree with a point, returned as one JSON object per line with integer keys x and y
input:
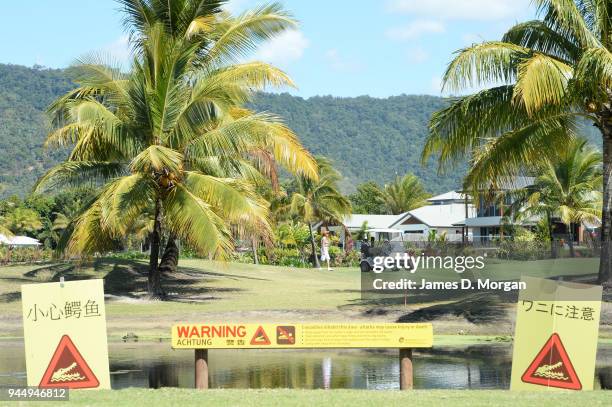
{"x": 60, "y": 223}
{"x": 568, "y": 187}
{"x": 404, "y": 194}
{"x": 4, "y": 230}
{"x": 369, "y": 198}
{"x": 319, "y": 200}
{"x": 23, "y": 221}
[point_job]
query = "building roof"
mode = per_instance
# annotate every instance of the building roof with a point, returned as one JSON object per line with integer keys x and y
{"x": 448, "y": 196}
{"x": 355, "y": 221}
{"x": 438, "y": 215}
{"x": 509, "y": 183}
{"x": 19, "y": 241}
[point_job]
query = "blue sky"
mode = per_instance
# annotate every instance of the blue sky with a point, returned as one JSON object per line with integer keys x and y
{"x": 342, "y": 47}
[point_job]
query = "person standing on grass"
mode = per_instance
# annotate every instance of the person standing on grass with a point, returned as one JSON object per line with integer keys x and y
{"x": 325, "y": 249}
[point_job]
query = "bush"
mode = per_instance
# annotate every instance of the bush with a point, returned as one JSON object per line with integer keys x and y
{"x": 129, "y": 255}
{"x": 525, "y": 250}
{"x": 25, "y": 255}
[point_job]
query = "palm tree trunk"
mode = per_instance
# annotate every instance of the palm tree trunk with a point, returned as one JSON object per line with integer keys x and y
{"x": 154, "y": 283}
{"x": 315, "y": 257}
{"x": 254, "y": 247}
{"x": 169, "y": 261}
{"x": 605, "y": 260}
{"x": 551, "y": 234}
{"x": 570, "y": 240}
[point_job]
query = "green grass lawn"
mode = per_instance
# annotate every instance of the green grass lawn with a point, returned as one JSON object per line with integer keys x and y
{"x": 330, "y": 398}
{"x": 217, "y": 292}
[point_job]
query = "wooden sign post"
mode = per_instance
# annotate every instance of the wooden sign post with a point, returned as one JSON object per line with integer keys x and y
{"x": 202, "y": 337}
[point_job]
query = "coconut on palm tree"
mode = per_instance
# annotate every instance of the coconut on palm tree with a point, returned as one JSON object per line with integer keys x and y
{"x": 171, "y": 137}
{"x": 567, "y": 188}
{"x": 540, "y": 80}
{"x": 319, "y": 200}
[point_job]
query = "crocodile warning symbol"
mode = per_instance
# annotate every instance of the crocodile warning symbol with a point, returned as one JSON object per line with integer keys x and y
{"x": 285, "y": 335}
{"x": 260, "y": 337}
{"x": 552, "y": 367}
{"x": 67, "y": 368}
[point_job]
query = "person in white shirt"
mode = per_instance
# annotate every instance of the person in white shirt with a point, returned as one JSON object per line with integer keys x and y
{"x": 325, "y": 249}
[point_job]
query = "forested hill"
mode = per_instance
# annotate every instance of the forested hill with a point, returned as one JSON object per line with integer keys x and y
{"x": 367, "y": 138}
{"x": 24, "y": 95}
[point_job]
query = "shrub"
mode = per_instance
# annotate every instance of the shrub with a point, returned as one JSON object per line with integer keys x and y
{"x": 25, "y": 255}
{"x": 129, "y": 255}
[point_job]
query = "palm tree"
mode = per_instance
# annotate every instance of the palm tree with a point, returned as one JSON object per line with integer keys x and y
{"x": 542, "y": 76}
{"x": 4, "y": 229}
{"x": 171, "y": 137}
{"x": 567, "y": 187}
{"x": 23, "y": 220}
{"x": 369, "y": 198}
{"x": 319, "y": 200}
{"x": 404, "y": 194}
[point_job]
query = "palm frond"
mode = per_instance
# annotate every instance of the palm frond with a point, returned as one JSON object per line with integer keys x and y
{"x": 564, "y": 17}
{"x": 194, "y": 220}
{"x": 542, "y": 81}
{"x": 157, "y": 159}
{"x": 237, "y": 37}
{"x": 538, "y": 36}
{"x": 78, "y": 173}
{"x": 488, "y": 63}
{"x": 594, "y": 73}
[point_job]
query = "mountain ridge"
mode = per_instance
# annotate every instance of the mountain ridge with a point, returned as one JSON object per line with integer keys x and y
{"x": 367, "y": 138}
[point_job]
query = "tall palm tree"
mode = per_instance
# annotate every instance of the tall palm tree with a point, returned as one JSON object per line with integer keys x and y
{"x": 541, "y": 77}
{"x": 171, "y": 137}
{"x": 319, "y": 200}
{"x": 568, "y": 188}
{"x": 404, "y": 194}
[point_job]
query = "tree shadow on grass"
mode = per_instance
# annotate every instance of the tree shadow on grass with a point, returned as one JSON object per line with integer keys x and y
{"x": 10, "y": 297}
{"x": 128, "y": 279}
{"x": 479, "y": 309}
{"x": 54, "y": 270}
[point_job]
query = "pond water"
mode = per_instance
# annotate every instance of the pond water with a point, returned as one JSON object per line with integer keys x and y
{"x": 155, "y": 365}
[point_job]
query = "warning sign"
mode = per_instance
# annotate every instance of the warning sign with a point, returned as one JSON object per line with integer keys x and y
{"x": 241, "y": 336}
{"x": 260, "y": 337}
{"x": 64, "y": 328}
{"x": 555, "y": 341}
{"x": 552, "y": 367}
{"x": 285, "y": 335}
{"x": 67, "y": 368}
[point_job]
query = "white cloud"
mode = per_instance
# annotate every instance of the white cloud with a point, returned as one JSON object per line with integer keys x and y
{"x": 436, "y": 85}
{"x": 285, "y": 48}
{"x": 340, "y": 64}
{"x": 415, "y": 29}
{"x": 418, "y": 55}
{"x": 460, "y": 9}
{"x": 119, "y": 50}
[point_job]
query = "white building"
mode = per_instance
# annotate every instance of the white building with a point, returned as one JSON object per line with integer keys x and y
{"x": 356, "y": 222}
{"x": 19, "y": 241}
{"x": 445, "y": 214}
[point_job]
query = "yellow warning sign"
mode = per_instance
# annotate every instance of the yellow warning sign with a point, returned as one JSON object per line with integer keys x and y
{"x": 555, "y": 340}
{"x": 266, "y": 336}
{"x": 64, "y": 328}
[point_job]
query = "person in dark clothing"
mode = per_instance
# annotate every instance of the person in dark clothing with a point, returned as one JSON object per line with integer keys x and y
{"x": 365, "y": 248}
